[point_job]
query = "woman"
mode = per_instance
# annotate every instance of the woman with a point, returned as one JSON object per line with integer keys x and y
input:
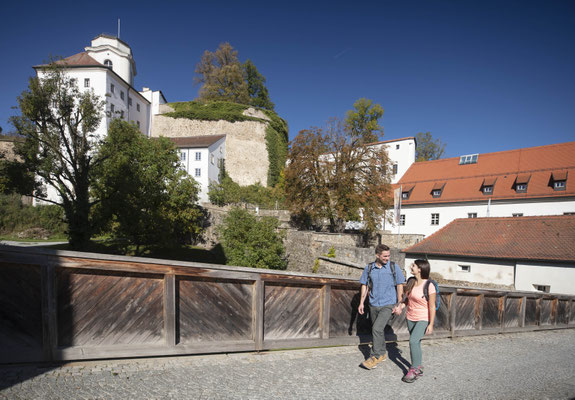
{"x": 420, "y": 314}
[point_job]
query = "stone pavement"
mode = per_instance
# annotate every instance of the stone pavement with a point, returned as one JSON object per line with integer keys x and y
{"x": 536, "y": 365}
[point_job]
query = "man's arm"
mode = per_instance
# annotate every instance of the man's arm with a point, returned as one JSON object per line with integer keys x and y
{"x": 362, "y": 299}
{"x": 398, "y": 308}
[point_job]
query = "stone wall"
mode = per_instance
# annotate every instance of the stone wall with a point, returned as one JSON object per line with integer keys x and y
{"x": 246, "y": 152}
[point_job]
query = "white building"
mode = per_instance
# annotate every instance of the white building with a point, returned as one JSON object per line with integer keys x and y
{"x": 202, "y": 157}
{"x": 524, "y": 182}
{"x": 529, "y": 253}
{"x": 108, "y": 68}
{"x": 401, "y": 154}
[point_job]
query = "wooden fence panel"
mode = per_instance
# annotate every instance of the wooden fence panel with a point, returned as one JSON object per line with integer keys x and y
{"x": 465, "y": 312}
{"x": 531, "y": 317}
{"x": 512, "y": 312}
{"x": 344, "y": 320}
{"x": 490, "y": 315}
{"x": 442, "y": 314}
{"x": 20, "y": 311}
{"x": 572, "y": 318}
{"x": 291, "y": 312}
{"x": 99, "y": 308}
{"x": 546, "y": 307}
{"x": 562, "y": 312}
{"x": 212, "y": 310}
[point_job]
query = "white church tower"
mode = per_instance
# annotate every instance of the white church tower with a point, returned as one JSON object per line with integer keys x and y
{"x": 115, "y": 54}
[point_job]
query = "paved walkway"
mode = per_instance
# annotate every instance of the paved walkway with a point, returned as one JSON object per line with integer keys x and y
{"x": 537, "y": 365}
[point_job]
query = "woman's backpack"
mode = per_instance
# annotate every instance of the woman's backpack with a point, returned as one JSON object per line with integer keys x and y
{"x": 426, "y": 292}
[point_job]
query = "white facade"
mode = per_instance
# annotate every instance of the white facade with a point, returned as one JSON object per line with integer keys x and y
{"x": 524, "y": 276}
{"x": 114, "y": 53}
{"x": 203, "y": 164}
{"x": 401, "y": 153}
{"x": 428, "y": 219}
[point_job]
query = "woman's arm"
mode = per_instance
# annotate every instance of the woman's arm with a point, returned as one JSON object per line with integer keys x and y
{"x": 431, "y": 306}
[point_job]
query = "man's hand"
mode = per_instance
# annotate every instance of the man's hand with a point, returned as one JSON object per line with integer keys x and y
{"x": 360, "y": 308}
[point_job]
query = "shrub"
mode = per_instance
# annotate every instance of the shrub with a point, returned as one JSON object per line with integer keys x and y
{"x": 16, "y": 217}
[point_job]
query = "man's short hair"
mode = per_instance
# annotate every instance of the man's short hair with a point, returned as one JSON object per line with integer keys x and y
{"x": 381, "y": 247}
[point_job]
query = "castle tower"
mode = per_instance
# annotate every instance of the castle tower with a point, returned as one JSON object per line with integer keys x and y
{"x": 115, "y": 54}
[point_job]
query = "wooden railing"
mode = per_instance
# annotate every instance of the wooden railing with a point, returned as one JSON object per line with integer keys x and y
{"x": 66, "y": 306}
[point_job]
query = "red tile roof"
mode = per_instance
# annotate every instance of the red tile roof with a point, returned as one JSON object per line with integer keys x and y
{"x": 78, "y": 60}
{"x": 502, "y": 170}
{"x": 196, "y": 141}
{"x": 543, "y": 238}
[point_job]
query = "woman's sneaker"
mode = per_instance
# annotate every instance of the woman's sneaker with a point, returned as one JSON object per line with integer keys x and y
{"x": 419, "y": 371}
{"x": 410, "y": 376}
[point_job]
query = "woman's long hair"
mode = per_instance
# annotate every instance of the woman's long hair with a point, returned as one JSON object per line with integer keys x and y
{"x": 425, "y": 270}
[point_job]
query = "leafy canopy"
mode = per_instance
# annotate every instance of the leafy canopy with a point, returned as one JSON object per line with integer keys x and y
{"x": 428, "y": 149}
{"x": 333, "y": 175}
{"x": 149, "y": 199}
{"x": 253, "y": 242}
{"x": 58, "y": 123}
{"x": 363, "y": 121}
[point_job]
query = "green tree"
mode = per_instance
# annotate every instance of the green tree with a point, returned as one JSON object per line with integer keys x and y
{"x": 58, "y": 123}
{"x": 249, "y": 241}
{"x": 257, "y": 89}
{"x": 331, "y": 174}
{"x": 427, "y": 148}
{"x": 363, "y": 120}
{"x": 148, "y": 197}
{"x": 221, "y": 76}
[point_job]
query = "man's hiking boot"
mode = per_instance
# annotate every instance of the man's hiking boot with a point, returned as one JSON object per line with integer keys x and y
{"x": 372, "y": 362}
{"x": 410, "y": 376}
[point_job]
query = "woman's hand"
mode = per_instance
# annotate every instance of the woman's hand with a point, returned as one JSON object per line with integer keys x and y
{"x": 429, "y": 329}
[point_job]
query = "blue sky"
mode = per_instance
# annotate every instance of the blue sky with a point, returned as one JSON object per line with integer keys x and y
{"x": 482, "y": 76}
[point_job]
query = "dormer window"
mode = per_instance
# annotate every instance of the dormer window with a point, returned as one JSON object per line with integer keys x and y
{"x": 437, "y": 189}
{"x": 468, "y": 159}
{"x": 520, "y": 184}
{"x": 406, "y": 191}
{"x": 108, "y": 63}
{"x": 559, "y": 180}
{"x": 487, "y": 186}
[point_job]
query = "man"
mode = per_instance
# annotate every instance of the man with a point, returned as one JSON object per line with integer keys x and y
{"x": 384, "y": 282}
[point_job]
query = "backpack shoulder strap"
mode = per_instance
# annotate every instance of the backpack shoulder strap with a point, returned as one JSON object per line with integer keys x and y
{"x": 392, "y": 266}
{"x": 426, "y": 289}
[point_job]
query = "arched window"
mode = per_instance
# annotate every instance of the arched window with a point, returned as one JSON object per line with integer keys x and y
{"x": 108, "y": 63}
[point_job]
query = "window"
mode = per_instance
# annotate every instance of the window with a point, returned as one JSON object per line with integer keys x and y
{"x": 464, "y": 268}
{"x": 542, "y": 288}
{"x": 108, "y": 63}
{"x": 437, "y": 189}
{"x": 487, "y": 189}
{"x": 122, "y": 114}
{"x": 129, "y": 101}
{"x": 112, "y": 109}
{"x": 112, "y": 88}
{"x": 198, "y": 172}
{"x": 402, "y": 220}
{"x": 559, "y": 185}
{"x": 405, "y": 195}
{"x": 436, "y": 193}
{"x": 183, "y": 156}
{"x": 468, "y": 159}
{"x": 394, "y": 169}
{"x": 396, "y": 147}
{"x": 434, "y": 219}
{"x": 138, "y": 123}
{"x": 138, "y": 107}
{"x": 121, "y": 94}
{"x": 406, "y": 191}
{"x": 569, "y": 213}
{"x": 521, "y": 188}
{"x": 212, "y": 158}
{"x": 86, "y": 82}
{"x": 198, "y": 157}
{"x": 517, "y": 214}
{"x": 471, "y": 215}
{"x": 73, "y": 82}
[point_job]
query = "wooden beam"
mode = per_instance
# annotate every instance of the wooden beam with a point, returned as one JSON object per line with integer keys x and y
{"x": 170, "y": 310}
{"x": 325, "y": 311}
{"x": 258, "y": 300}
{"x": 49, "y": 310}
{"x": 452, "y": 311}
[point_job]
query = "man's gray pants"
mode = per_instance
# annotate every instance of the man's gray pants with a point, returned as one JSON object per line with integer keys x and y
{"x": 380, "y": 316}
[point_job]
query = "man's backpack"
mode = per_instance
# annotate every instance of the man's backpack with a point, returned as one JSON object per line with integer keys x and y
{"x": 426, "y": 292}
{"x": 370, "y": 283}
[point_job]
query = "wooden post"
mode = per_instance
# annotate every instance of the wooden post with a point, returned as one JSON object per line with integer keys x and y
{"x": 452, "y": 311}
{"x": 258, "y": 313}
{"x": 479, "y": 312}
{"x": 170, "y": 309}
{"x": 523, "y": 310}
{"x": 49, "y": 311}
{"x": 502, "y": 301}
{"x": 325, "y": 311}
